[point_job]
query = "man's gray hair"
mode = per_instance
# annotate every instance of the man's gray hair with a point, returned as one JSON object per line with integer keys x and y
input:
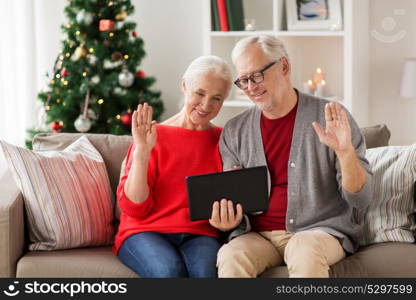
{"x": 272, "y": 47}
{"x": 207, "y": 64}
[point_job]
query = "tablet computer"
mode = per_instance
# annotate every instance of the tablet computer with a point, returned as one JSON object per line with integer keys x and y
{"x": 245, "y": 186}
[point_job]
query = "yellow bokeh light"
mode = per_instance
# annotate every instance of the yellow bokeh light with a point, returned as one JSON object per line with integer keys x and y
{"x": 47, "y": 107}
{"x": 84, "y": 74}
{"x": 61, "y": 123}
{"x": 126, "y": 56}
{"x": 58, "y": 100}
{"x": 118, "y": 117}
{"x": 67, "y": 54}
{"x": 91, "y": 50}
{"x": 78, "y": 32}
{"x": 58, "y": 76}
{"x": 111, "y": 34}
{"x": 100, "y": 101}
{"x": 110, "y": 3}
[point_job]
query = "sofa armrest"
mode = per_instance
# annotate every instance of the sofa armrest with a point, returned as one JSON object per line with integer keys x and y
{"x": 12, "y": 238}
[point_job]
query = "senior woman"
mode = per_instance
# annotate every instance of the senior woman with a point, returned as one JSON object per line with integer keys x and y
{"x": 156, "y": 237}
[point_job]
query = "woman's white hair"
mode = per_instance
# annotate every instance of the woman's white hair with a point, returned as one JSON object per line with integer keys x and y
{"x": 208, "y": 64}
{"x": 272, "y": 47}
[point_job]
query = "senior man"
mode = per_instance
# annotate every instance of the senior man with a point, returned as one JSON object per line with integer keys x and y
{"x": 319, "y": 179}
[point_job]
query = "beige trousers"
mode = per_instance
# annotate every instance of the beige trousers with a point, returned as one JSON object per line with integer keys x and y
{"x": 306, "y": 253}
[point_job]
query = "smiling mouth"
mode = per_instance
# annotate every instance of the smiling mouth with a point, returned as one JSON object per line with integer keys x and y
{"x": 201, "y": 114}
{"x": 258, "y": 95}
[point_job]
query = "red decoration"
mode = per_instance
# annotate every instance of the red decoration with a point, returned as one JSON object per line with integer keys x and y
{"x": 106, "y": 25}
{"x": 141, "y": 74}
{"x": 55, "y": 126}
{"x": 134, "y": 33}
{"x": 64, "y": 72}
{"x": 126, "y": 119}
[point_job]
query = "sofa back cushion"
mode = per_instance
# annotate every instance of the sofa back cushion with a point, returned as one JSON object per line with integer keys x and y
{"x": 112, "y": 148}
{"x": 67, "y": 195}
{"x": 376, "y": 136}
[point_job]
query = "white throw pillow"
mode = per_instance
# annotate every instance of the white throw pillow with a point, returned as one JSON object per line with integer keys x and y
{"x": 390, "y": 215}
{"x": 67, "y": 195}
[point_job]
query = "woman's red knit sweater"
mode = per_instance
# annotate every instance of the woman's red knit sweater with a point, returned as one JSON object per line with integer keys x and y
{"x": 178, "y": 153}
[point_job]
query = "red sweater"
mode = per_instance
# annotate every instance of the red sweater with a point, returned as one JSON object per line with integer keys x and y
{"x": 178, "y": 153}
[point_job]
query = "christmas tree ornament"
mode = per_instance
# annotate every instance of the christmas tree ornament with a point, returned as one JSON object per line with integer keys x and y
{"x": 64, "y": 72}
{"x": 84, "y": 17}
{"x": 80, "y": 52}
{"x": 106, "y": 25}
{"x": 120, "y": 91}
{"x": 95, "y": 79}
{"x": 92, "y": 59}
{"x": 55, "y": 126}
{"x": 134, "y": 34}
{"x": 83, "y": 123}
{"x": 91, "y": 114}
{"x": 141, "y": 74}
{"x": 116, "y": 56}
{"x": 111, "y": 65}
{"x": 126, "y": 119}
{"x": 121, "y": 16}
{"x": 125, "y": 78}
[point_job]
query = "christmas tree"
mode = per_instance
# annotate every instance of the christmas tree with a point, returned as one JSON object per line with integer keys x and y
{"x": 97, "y": 81}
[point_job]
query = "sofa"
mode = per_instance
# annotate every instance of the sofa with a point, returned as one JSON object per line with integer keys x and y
{"x": 389, "y": 259}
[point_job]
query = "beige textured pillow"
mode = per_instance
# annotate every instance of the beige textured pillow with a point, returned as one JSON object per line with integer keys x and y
{"x": 67, "y": 195}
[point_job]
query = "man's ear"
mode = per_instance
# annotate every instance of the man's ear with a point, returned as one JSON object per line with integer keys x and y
{"x": 285, "y": 66}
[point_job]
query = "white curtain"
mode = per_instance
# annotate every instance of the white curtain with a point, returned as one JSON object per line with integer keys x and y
{"x": 17, "y": 69}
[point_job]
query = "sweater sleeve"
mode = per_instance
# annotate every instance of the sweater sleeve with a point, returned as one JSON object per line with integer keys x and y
{"x": 130, "y": 208}
{"x": 361, "y": 199}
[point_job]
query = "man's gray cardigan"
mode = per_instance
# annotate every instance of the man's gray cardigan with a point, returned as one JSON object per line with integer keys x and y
{"x": 316, "y": 199}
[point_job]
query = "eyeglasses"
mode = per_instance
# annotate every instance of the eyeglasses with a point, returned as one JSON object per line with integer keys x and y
{"x": 256, "y": 77}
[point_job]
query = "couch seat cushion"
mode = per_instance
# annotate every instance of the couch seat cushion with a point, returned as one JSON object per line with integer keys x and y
{"x": 80, "y": 263}
{"x": 378, "y": 260}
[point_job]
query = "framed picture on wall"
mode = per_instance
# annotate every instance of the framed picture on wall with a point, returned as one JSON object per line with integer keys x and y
{"x": 314, "y": 15}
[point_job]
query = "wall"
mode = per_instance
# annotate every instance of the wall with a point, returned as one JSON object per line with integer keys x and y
{"x": 386, "y": 63}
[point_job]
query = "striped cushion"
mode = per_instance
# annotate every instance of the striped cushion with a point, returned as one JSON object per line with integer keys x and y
{"x": 389, "y": 216}
{"x": 67, "y": 195}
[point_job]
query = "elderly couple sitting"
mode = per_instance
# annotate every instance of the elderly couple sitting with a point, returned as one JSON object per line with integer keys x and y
{"x": 314, "y": 153}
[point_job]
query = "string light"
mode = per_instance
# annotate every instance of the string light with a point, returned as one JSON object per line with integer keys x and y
{"x": 64, "y": 103}
{"x": 68, "y": 25}
{"x": 118, "y": 117}
{"x": 47, "y": 107}
{"x": 77, "y": 32}
{"x": 58, "y": 100}
{"x": 61, "y": 123}
{"x": 110, "y": 3}
{"x": 84, "y": 74}
{"x": 58, "y": 76}
{"x": 111, "y": 34}
{"x": 126, "y": 56}
{"x": 61, "y": 57}
{"x": 100, "y": 101}
{"x": 65, "y": 82}
{"x": 67, "y": 54}
{"x": 91, "y": 50}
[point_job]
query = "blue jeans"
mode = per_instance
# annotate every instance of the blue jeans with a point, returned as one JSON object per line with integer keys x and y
{"x": 152, "y": 254}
